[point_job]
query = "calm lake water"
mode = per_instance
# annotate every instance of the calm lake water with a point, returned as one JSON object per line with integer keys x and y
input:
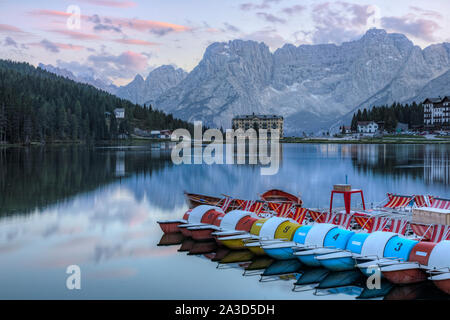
{"x": 98, "y": 207}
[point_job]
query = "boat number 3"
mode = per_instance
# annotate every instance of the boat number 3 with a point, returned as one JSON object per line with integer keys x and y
{"x": 399, "y": 246}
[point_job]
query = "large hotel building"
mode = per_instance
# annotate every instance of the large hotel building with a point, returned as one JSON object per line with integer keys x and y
{"x": 437, "y": 113}
{"x": 269, "y": 122}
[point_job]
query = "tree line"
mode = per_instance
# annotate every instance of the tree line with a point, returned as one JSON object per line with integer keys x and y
{"x": 36, "y": 105}
{"x": 411, "y": 114}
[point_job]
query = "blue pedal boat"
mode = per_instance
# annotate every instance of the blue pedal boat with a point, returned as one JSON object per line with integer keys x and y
{"x": 344, "y": 260}
{"x": 394, "y": 249}
{"x": 327, "y": 238}
{"x": 280, "y": 251}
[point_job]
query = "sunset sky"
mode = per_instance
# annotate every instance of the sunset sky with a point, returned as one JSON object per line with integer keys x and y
{"x": 119, "y": 38}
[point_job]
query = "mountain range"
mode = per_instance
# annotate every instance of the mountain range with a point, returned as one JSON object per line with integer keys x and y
{"x": 313, "y": 86}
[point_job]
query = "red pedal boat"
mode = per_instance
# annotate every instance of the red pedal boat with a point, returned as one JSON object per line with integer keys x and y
{"x": 414, "y": 270}
{"x": 171, "y": 226}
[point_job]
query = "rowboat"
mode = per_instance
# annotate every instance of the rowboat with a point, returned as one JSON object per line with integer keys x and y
{"x": 273, "y": 195}
{"x": 195, "y": 200}
{"x": 276, "y": 195}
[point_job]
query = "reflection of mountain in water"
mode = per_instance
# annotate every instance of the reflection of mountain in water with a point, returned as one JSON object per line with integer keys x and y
{"x": 37, "y": 177}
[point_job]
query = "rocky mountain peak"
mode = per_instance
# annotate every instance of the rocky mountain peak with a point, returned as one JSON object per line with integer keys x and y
{"x": 310, "y": 85}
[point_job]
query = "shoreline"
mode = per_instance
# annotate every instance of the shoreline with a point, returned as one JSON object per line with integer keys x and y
{"x": 140, "y": 141}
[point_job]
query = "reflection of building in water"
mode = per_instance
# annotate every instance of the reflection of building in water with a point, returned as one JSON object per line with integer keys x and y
{"x": 329, "y": 149}
{"x": 120, "y": 163}
{"x": 369, "y": 154}
{"x": 436, "y": 165}
{"x": 254, "y": 155}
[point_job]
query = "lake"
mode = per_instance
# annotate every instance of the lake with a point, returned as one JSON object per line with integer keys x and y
{"x": 97, "y": 207}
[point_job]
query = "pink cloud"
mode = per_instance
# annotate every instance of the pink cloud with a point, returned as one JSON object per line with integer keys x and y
{"x": 412, "y": 25}
{"x": 9, "y": 28}
{"x": 127, "y": 63}
{"x": 54, "y": 13}
{"x": 137, "y": 42}
{"x": 114, "y": 4}
{"x": 77, "y": 35}
{"x": 157, "y": 27}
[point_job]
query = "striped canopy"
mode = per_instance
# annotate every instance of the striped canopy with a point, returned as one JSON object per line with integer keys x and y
{"x": 440, "y": 203}
{"x": 397, "y": 201}
{"x": 371, "y": 223}
{"x": 299, "y": 214}
{"x": 282, "y": 209}
{"x": 423, "y": 201}
{"x": 344, "y": 220}
{"x": 254, "y": 206}
{"x": 323, "y": 217}
{"x": 398, "y": 226}
{"x": 431, "y": 232}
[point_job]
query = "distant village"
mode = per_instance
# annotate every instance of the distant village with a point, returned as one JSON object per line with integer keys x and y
{"x": 119, "y": 114}
{"x": 436, "y": 119}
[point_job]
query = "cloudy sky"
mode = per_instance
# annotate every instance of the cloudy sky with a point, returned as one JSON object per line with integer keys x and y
{"x": 116, "y": 39}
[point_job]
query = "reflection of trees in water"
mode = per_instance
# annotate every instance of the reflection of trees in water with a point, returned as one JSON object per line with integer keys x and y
{"x": 36, "y": 177}
{"x": 427, "y": 162}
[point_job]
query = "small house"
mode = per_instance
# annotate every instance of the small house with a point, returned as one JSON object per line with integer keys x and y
{"x": 119, "y": 113}
{"x": 367, "y": 127}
